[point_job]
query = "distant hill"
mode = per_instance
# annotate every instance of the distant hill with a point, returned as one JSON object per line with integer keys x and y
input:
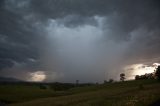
{"x": 9, "y": 79}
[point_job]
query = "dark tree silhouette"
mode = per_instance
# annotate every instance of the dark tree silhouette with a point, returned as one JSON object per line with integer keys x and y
{"x": 157, "y": 74}
{"x": 122, "y": 76}
{"x": 77, "y": 82}
{"x": 105, "y": 82}
{"x": 145, "y": 76}
{"x": 137, "y": 77}
{"x": 110, "y": 80}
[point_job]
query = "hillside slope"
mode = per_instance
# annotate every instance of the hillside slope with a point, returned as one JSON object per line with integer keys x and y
{"x": 131, "y": 93}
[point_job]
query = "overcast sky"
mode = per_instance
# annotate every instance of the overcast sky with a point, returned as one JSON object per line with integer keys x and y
{"x": 86, "y": 40}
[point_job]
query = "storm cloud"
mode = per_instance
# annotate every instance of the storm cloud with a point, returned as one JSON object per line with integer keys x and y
{"x": 66, "y": 40}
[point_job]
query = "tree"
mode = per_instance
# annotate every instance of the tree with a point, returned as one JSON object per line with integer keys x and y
{"x": 137, "y": 77}
{"x": 77, "y": 82}
{"x": 42, "y": 86}
{"x": 122, "y": 76}
{"x": 157, "y": 74}
{"x": 105, "y": 82}
{"x": 110, "y": 80}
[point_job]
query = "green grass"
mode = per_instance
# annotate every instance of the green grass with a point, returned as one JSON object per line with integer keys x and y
{"x": 20, "y": 93}
{"x": 129, "y": 93}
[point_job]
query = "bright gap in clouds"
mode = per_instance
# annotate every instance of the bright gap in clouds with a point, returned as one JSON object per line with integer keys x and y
{"x": 37, "y": 76}
{"x": 139, "y": 69}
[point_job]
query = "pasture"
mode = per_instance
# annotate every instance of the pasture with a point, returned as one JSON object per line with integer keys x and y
{"x": 128, "y": 93}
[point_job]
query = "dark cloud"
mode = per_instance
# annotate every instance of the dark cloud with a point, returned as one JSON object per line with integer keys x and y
{"x": 17, "y": 38}
{"x": 123, "y": 16}
{"x": 72, "y": 37}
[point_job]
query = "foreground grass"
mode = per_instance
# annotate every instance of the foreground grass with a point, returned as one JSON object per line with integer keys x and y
{"x": 20, "y": 93}
{"x": 131, "y": 93}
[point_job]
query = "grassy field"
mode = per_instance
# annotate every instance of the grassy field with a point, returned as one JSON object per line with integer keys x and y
{"x": 129, "y": 93}
{"x": 17, "y": 93}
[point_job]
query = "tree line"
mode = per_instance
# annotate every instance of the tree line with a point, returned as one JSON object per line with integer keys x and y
{"x": 154, "y": 75}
